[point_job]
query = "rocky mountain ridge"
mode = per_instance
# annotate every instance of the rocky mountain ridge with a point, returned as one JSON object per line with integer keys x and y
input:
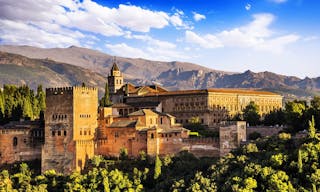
{"x": 172, "y": 75}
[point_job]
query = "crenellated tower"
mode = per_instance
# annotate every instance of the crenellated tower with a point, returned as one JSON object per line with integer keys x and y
{"x": 70, "y": 124}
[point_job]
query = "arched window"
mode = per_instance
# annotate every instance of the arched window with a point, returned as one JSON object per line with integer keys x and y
{"x": 152, "y": 136}
{"x": 15, "y": 141}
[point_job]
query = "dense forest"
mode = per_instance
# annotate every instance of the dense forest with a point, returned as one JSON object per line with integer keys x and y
{"x": 278, "y": 163}
{"x": 21, "y": 103}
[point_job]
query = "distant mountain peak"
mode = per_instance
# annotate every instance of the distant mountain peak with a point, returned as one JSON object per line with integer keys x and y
{"x": 172, "y": 75}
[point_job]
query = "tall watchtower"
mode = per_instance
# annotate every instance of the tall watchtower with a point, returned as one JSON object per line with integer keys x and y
{"x": 115, "y": 79}
{"x": 70, "y": 124}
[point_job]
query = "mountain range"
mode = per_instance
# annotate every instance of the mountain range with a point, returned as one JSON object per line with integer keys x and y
{"x": 74, "y": 65}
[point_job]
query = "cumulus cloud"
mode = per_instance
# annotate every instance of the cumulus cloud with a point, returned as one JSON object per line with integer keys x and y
{"x": 155, "y": 49}
{"x": 176, "y": 20}
{"x": 122, "y": 49}
{"x": 198, "y": 17}
{"x": 15, "y": 32}
{"x": 207, "y": 41}
{"x": 62, "y": 17}
{"x": 257, "y": 35}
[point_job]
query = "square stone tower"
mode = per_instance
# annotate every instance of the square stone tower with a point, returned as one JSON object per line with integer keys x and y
{"x": 70, "y": 124}
{"x": 231, "y": 134}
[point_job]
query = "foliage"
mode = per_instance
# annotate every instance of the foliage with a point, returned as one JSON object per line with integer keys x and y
{"x": 275, "y": 118}
{"x": 251, "y": 114}
{"x": 105, "y": 100}
{"x": 254, "y": 135}
{"x": 20, "y": 102}
{"x": 111, "y": 174}
{"x": 123, "y": 153}
{"x": 157, "y": 167}
{"x": 197, "y": 129}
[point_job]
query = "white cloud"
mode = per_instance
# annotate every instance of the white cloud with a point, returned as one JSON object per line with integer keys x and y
{"x": 15, "y": 32}
{"x": 57, "y": 17}
{"x": 257, "y": 35}
{"x": 198, "y": 17}
{"x": 155, "y": 49}
{"x": 248, "y": 6}
{"x": 207, "y": 41}
{"x": 123, "y": 49}
{"x": 311, "y": 38}
{"x": 277, "y": 45}
{"x": 177, "y": 20}
{"x": 138, "y": 19}
{"x": 278, "y": 1}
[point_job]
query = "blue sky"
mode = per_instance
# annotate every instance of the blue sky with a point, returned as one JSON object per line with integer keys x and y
{"x": 281, "y": 36}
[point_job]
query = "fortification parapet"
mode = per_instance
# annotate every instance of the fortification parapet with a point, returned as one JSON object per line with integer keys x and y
{"x": 81, "y": 88}
{"x": 67, "y": 90}
{"x": 59, "y": 90}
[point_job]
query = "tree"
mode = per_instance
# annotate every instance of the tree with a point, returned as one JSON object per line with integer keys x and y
{"x": 315, "y": 111}
{"x": 123, "y": 154}
{"x": 254, "y": 135}
{"x": 105, "y": 100}
{"x": 312, "y": 129}
{"x": 250, "y": 114}
{"x": 27, "y": 109}
{"x": 41, "y": 97}
{"x": 276, "y": 117}
{"x": 1, "y": 107}
{"x": 157, "y": 167}
{"x": 295, "y": 115}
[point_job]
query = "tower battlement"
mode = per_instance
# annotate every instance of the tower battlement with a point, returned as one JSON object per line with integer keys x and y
{"x": 59, "y": 91}
{"x": 67, "y": 90}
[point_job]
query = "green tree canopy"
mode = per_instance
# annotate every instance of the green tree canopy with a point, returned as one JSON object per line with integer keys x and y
{"x": 251, "y": 114}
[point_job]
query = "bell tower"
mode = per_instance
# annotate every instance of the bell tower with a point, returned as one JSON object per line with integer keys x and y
{"x": 115, "y": 79}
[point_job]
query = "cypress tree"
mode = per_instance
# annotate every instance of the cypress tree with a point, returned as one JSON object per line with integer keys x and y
{"x": 1, "y": 103}
{"x": 157, "y": 167}
{"x": 106, "y": 98}
{"x": 312, "y": 129}
{"x": 1, "y": 107}
{"x": 27, "y": 108}
{"x": 41, "y": 97}
{"x": 300, "y": 164}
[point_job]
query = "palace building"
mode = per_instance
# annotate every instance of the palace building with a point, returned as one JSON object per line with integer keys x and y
{"x": 211, "y": 105}
{"x": 146, "y": 119}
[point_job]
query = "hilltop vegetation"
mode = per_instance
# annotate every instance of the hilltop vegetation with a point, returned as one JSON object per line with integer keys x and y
{"x": 21, "y": 103}
{"x": 279, "y": 163}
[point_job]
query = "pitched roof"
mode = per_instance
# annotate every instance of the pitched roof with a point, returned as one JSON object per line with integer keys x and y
{"x": 124, "y": 124}
{"x": 205, "y": 91}
{"x": 115, "y": 67}
{"x": 142, "y": 112}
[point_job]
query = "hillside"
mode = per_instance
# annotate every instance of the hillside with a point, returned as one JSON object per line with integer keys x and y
{"x": 17, "y": 69}
{"x": 172, "y": 75}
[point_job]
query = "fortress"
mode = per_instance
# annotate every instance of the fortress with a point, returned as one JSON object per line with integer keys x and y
{"x": 146, "y": 118}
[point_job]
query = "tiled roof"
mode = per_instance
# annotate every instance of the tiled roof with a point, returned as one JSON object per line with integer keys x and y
{"x": 204, "y": 91}
{"x": 142, "y": 112}
{"x": 124, "y": 124}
